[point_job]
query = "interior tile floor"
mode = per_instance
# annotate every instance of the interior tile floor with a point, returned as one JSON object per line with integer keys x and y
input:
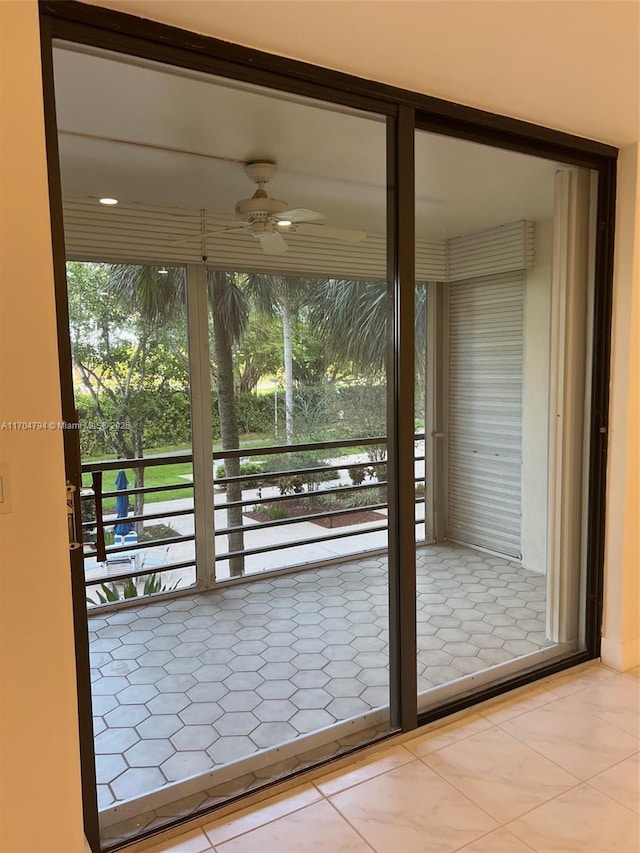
{"x": 553, "y": 769}
{"x": 182, "y": 686}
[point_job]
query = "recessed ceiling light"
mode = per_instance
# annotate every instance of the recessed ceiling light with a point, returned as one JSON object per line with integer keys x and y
{"x": 108, "y": 200}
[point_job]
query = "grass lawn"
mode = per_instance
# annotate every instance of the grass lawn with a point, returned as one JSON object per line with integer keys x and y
{"x": 160, "y": 475}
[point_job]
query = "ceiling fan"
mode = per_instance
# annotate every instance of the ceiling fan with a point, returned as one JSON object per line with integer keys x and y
{"x": 269, "y": 219}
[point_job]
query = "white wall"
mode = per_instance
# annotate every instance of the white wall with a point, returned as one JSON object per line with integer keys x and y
{"x": 511, "y": 63}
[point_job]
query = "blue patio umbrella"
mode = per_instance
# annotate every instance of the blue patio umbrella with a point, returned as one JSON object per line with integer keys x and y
{"x": 122, "y": 506}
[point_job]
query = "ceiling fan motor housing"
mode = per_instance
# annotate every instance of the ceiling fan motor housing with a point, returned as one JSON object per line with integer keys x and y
{"x": 260, "y": 207}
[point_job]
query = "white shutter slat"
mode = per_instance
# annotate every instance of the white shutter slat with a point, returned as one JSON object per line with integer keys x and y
{"x": 485, "y": 410}
{"x": 136, "y": 233}
{"x": 496, "y": 250}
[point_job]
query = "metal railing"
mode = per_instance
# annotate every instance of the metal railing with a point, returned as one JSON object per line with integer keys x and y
{"x": 311, "y": 474}
{"x": 313, "y": 485}
{"x": 102, "y": 553}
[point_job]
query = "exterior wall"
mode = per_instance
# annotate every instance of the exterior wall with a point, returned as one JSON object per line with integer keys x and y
{"x": 38, "y": 727}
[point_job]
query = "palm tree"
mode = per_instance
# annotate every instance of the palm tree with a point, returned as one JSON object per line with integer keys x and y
{"x": 354, "y": 316}
{"x": 282, "y": 296}
{"x": 350, "y": 315}
{"x": 229, "y": 314}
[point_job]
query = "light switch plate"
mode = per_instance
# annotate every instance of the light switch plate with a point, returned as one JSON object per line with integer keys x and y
{"x": 5, "y": 489}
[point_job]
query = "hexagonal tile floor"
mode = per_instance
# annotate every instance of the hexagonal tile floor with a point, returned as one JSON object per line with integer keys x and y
{"x": 182, "y": 686}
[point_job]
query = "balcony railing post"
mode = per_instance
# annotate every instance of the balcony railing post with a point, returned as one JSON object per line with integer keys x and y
{"x": 101, "y": 550}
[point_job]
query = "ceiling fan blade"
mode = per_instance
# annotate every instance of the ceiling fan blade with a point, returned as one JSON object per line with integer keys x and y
{"x": 300, "y": 214}
{"x": 349, "y": 235}
{"x": 272, "y": 243}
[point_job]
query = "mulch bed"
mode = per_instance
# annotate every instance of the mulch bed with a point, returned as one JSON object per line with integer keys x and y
{"x": 294, "y": 510}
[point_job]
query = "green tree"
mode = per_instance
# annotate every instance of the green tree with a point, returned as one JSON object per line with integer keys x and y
{"x": 281, "y": 296}
{"x": 353, "y": 315}
{"x": 128, "y": 361}
{"x": 258, "y": 353}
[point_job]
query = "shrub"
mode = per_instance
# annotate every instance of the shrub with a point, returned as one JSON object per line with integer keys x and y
{"x": 361, "y": 499}
{"x": 357, "y": 475}
{"x": 362, "y": 407}
{"x": 163, "y": 415}
{"x": 157, "y": 531}
{"x": 168, "y": 422}
{"x": 277, "y": 512}
{"x": 245, "y": 468}
{"x": 380, "y": 473}
{"x": 254, "y": 413}
{"x": 295, "y": 483}
{"x": 152, "y": 584}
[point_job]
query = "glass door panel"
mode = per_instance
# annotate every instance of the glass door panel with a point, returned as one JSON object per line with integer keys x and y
{"x": 502, "y": 242}
{"x": 235, "y": 294}
{"x": 299, "y": 405}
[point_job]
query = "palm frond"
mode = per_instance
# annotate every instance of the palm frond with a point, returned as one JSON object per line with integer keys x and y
{"x": 153, "y": 295}
{"x": 268, "y": 293}
{"x": 232, "y": 307}
{"x": 352, "y": 315}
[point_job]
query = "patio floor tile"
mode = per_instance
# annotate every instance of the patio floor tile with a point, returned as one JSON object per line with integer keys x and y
{"x": 185, "y": 686}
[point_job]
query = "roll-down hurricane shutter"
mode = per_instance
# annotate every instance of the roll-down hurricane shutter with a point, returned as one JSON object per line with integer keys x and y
{"x": 485, "y": 411}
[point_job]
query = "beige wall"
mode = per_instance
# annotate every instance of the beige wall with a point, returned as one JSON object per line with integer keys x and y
{"x": 507, "y": 57}
{"x": 621, "y": 628}
{"x": 39, "y": 766}
{"x": 40, "y": 797}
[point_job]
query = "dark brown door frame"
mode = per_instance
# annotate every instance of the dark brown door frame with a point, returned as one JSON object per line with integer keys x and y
{"x": 405, "y": 111}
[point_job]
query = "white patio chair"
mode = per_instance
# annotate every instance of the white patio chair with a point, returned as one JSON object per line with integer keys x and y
{"x": 151, "y": 560}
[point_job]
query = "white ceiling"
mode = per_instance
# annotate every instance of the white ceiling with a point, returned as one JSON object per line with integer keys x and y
{"x": 117, "y": 120}
{"x": 568, "y": 64}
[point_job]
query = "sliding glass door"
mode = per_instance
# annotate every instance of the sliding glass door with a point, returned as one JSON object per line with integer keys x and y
{"x": 339, "y": 475}
{"x": 504, "y": 253}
